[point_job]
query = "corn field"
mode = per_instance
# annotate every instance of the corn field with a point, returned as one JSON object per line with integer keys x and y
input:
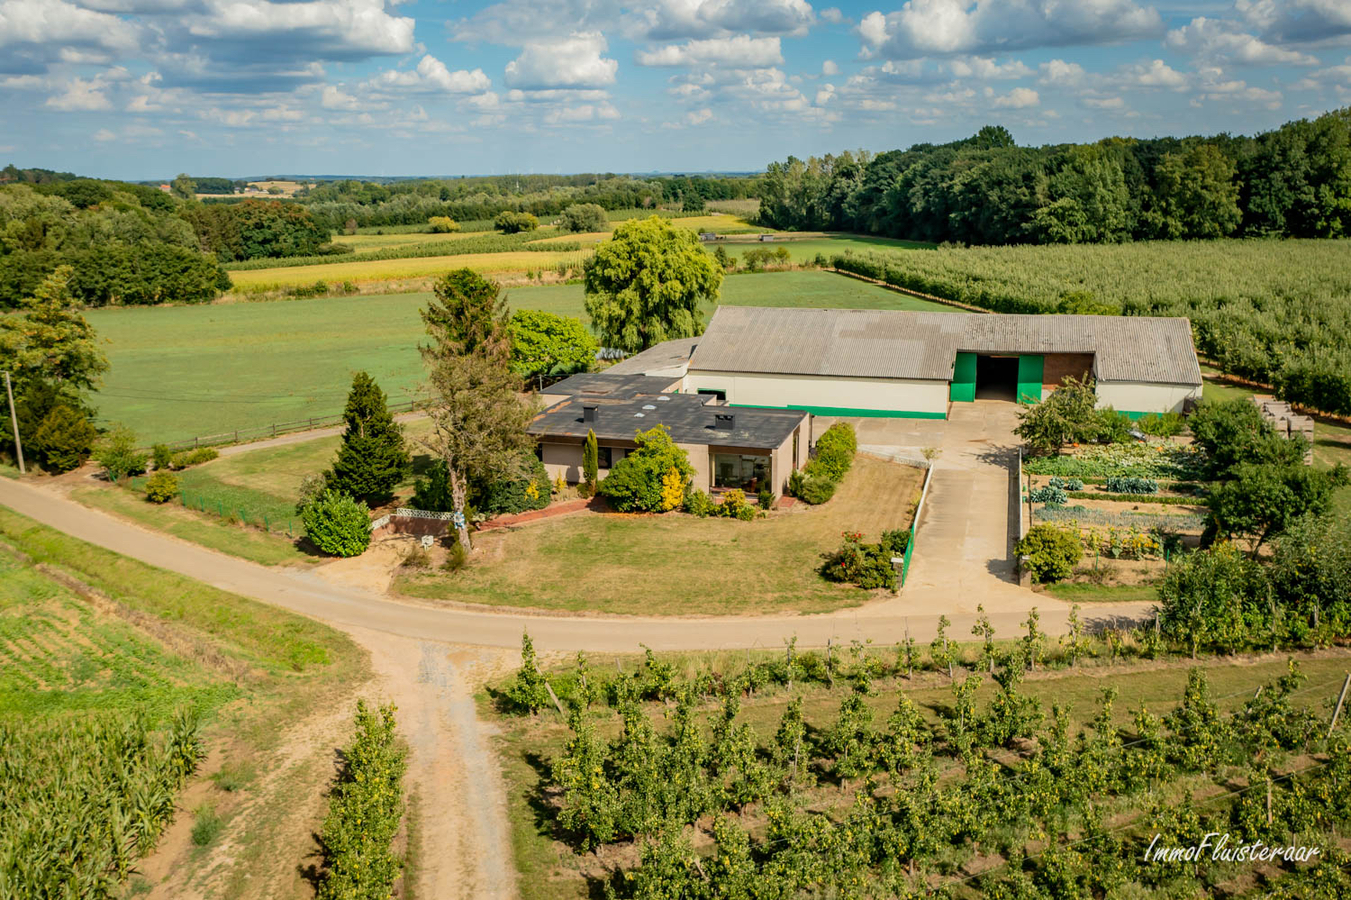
{"x": 81, "y": 799}
{"x": 1273, "y": 311}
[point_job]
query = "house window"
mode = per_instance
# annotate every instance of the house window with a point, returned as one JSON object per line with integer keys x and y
{"x": 734, "y": 470}
{"x": 795, "y": 434}
{"x": 603, "y": 458}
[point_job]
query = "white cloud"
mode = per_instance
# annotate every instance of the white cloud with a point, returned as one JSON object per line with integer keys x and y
{"x": 81, "y": 96}
{"x": 1297, "y": 21}
{"x": 432, "y": 75}
{"x": 1103, "y": 102}
{"x": 743, "y": 51}
{"x": 928, "y": 27}
{"x": 1061, "y": 73}
{"x": 1216, "y": 40}
{"x": 329, "y": 29}
{"x": 986, "y": 69}
{"x": 824, "y": 95}
{"x": 676, "y": 19}
{"x": 832, "y": 15}
{"x": 1018, "y": 98}
{"x": 585, "y": 113}
{"x": 571, "y": 62}
{"x": 37, "y": 33}
{"x": 334, "y": 97}
{"x": 103, "y": 135}
{"x": 1156, "y": 73}
{"x": 829, "y": 68}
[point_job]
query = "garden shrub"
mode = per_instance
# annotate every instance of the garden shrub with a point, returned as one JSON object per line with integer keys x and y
{"x": 796, "y": 480}
{"x": 834, "y": 452}
{"x": 672, "y": 489}
{"x": 1161, "y": 424}
{"x": 337, "y": 524}
{"x": 700, "y": 504}
{"x": 765, "y": 498}
{"x": 895, "y": 541}
{"x": 161, "y": 487}
{"x": 1131, "y": 484}
{"x": 1113, "y": 427}
{"x": 185, "y": 458}
{"x": 162, "y": 456}
{"x": 1050, "y": 494}
{"x": 64, "y": 439}
{"x": 818, "y": 490}
{"x": 433, "y": 492}
{"x": 118, "y": 455}
{"x": 866, "y": 565}
{"x": 1051, "y": 552}
{"x": 636, "y": 482}
{"x": 732, "y": 503}
{"x": 510, "y": 496}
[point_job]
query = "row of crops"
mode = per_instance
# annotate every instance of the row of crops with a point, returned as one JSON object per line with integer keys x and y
{"x": 1275, "y": 311}
{"x": 481, "y": 243}
{"x": 996, "y": 799}
{"x": 83, "y": 798}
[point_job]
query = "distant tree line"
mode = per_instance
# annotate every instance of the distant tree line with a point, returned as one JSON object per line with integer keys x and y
{"x": 1294, "y": 181}
{"x": 368, "y": 203}
{"x": 131, "y": 244}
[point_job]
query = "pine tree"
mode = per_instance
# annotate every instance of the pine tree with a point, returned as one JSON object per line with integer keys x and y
{"x": 372, "y": 459}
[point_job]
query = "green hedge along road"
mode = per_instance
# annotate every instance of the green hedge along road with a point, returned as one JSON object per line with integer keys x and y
{"x": 309, "y": 594}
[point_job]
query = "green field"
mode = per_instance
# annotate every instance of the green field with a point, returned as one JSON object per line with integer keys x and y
{"x": 183, "y": 371}
{"x": 77, "y": 667}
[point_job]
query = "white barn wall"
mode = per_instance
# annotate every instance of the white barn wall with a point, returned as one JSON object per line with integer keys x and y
{"x": 894, "y": 395}
{"x": 1132, "y": 396}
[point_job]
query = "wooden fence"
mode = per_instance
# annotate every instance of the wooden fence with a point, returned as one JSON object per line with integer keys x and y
{"x": 263, "y": 432}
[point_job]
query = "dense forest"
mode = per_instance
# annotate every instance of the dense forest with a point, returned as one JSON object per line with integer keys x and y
{"x": 1294, "y": 181}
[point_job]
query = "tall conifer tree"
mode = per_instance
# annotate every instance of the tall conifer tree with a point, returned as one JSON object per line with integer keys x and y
{"x": 372, "y": 459}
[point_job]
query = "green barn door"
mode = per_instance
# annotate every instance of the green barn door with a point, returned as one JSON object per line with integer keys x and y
{"x": 1029, "y": 379}
{"x": 963, "y": 387}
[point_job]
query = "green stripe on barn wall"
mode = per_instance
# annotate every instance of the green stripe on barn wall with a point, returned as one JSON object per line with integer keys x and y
{"x": 963, "y": 388}
{"x": 1029, "y": 378}
{"x": 852, "y": 412}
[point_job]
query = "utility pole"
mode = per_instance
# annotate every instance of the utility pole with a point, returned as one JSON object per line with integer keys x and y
{"x": 14, "y": 420}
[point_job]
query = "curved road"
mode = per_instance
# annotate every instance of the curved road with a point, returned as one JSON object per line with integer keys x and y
{"x": 310, "y": 595}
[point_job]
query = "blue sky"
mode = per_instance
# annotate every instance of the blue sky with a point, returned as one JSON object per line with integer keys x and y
{"x": 148, "y": 88}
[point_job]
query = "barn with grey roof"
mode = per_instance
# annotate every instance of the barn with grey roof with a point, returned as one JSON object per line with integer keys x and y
{"x": 857, "y": 362}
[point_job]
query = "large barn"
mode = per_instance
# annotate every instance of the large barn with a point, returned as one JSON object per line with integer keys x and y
{"x": 856, "y": 362}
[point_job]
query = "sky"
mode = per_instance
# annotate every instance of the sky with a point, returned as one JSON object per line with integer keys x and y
{"x": 143, "y": 89}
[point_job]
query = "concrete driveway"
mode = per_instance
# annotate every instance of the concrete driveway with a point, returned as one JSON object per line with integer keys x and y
{"x": 964, "y": 544}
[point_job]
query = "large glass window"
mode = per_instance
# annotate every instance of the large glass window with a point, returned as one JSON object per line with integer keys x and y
{"x": 734, "y": 470}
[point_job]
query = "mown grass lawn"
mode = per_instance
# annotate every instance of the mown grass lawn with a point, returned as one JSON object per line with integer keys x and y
{"x": 183, "y": 371}
{"x": 679, "y": 565}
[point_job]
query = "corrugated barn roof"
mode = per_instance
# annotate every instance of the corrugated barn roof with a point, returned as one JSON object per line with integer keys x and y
{"x": 863, "y": 343}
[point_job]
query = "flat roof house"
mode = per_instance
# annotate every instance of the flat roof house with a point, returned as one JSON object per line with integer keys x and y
{"x": 857, "y": 362}
{"x": 729, "y": 448}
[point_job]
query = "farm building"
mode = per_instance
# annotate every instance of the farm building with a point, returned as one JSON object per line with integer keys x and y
{"x": 855, "y": 362}
{"x": 729, "y": 448}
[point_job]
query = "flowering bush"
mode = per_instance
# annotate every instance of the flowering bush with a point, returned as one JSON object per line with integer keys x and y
{"x": 866, "y": 565}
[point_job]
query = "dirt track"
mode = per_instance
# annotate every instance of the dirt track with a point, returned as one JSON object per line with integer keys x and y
{"x": 311, "y": 595}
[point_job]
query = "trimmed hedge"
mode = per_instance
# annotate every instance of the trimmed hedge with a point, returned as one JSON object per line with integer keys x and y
{"x": 818, "y": 479}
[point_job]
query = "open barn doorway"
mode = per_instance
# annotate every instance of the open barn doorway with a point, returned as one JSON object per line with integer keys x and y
{"x": 996, "y": 377}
